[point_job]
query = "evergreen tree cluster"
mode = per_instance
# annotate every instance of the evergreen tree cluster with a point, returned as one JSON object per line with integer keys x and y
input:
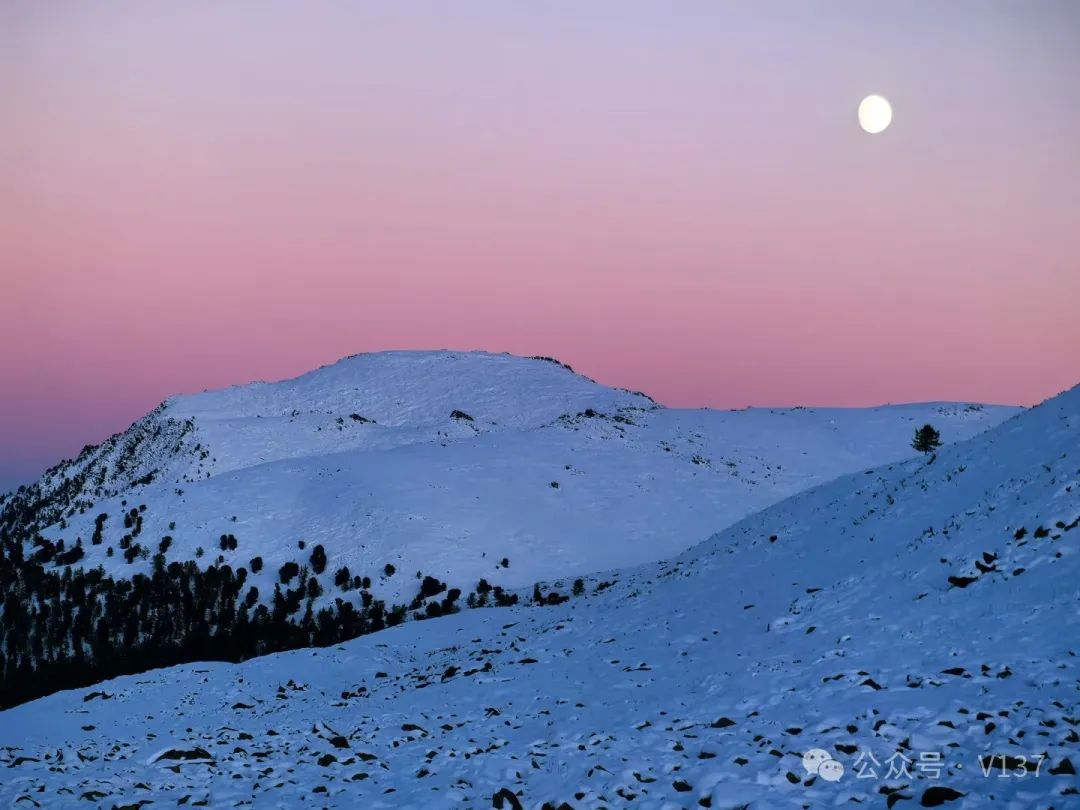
{"x": 63, "y": 626}
{"x": 67, "y": 627}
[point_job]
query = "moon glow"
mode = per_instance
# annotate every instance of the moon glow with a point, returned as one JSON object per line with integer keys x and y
{"x": 875, "y": 114}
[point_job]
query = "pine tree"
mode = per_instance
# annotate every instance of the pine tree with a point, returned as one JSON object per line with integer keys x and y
{"x": 343, "y": 579}
{"x": 288, "y": 571}
{"x": 318, "y": 559}
{"x": 927, "y": 439}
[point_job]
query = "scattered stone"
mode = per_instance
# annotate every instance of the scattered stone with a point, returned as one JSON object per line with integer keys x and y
{"x": 505, "y": 798}
{"x": 184, "y": 754}
{"x": 1064, "y": 768}
{"x": 937, "y": 795}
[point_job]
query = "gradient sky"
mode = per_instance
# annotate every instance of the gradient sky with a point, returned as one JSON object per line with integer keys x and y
{"x": 672, "y": 197}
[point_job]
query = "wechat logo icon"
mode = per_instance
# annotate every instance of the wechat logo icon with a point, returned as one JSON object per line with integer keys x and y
{"x": 820, "y": 762}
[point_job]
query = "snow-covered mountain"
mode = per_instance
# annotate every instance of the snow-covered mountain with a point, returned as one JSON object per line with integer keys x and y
{"x": 449, "y": 463}
{"x": 409, "y": 484}
{"x": 904, "y": 636}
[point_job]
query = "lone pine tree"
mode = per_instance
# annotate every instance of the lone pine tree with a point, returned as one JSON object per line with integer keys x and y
{"x": 927, "y": 439}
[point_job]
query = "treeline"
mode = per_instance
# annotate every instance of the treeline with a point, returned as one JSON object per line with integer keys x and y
{"x": 64, "y": 626}
{"x": 68, "y": 627}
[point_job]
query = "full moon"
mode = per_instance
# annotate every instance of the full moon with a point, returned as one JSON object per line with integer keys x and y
{"x": 875, "y": 114}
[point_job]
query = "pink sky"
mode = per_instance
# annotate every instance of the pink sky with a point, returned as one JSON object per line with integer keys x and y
{"x": 672, "y": 199}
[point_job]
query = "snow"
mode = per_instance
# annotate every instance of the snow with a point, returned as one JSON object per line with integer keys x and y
{"x": 278, "y": 463}
{"x": 826, "y": 620}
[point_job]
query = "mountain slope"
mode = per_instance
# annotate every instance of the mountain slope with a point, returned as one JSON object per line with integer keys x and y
{"x": 272, "y": 516}
{"x": 448, "y": 463}
{"x": 928, "y": 607}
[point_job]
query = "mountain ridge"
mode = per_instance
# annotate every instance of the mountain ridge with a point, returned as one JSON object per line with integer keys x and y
{"x": 386, "y": 488}
{"x": 854, "y": 618}
{"x": 444, "y": 413}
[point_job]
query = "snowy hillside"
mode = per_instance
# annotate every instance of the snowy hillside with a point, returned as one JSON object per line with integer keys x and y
{"x": 450, "y": 463}
{"x": 915, "y": 626}
{"x": 391, "y": 486}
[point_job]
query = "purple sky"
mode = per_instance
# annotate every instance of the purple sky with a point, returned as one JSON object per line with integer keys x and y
{"x": 671, "y": 197}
